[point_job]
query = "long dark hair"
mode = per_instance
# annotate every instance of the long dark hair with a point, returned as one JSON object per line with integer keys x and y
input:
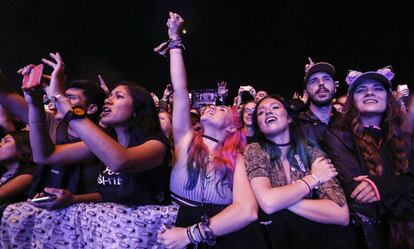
{"x": 143, "y": 124}
{"x": 402, "y": 232}
{"x": 298, "y": 140}
{"x": 145, "y": 121}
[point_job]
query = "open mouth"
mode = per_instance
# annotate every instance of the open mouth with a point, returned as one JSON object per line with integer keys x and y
{"x": 105, "y": 111}
{"x": 270, "y": 120}
{"x": 370, "y": 101}
{"x": 322, "y": 91}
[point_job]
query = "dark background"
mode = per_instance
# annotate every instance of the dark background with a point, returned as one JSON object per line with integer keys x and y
{"x": 241, "y": 42}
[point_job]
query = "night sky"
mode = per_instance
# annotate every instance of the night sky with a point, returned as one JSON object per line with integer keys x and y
{"x": 241, "y": 42}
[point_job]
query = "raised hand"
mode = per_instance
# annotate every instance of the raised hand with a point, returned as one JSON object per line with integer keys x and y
{"x": 304, "y": 97}
{"x": 222, "y": 88}
{"x": 175, "y": 25}
{"x": 167, "y": 92}
{"x": 58, "y": 79}
{"x": 103, "y": 84}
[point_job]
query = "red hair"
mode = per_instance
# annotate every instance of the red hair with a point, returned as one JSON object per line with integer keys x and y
{"x": 224, "y": 159}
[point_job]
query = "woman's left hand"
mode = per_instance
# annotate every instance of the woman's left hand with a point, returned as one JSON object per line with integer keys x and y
{"x": 174, "y": 238}
{"x": 364, "y": 192}
{"x": 174, "y": 24}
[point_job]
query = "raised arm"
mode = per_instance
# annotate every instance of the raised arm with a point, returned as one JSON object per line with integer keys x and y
{"x": 12, "y": 101}
{"x": 138, "y": 158}
{"x": 43, "y": 148}
{"x": 5, "y": 120}
{"x": 182, "y": 128}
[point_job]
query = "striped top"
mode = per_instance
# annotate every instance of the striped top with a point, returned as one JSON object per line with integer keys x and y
{"x": 205, "y": 195}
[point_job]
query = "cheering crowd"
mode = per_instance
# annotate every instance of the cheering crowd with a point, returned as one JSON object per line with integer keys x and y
{"x": 85, "y": 167}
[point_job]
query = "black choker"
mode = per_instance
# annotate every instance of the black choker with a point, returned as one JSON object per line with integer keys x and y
{"x": 212, "y": 139}
{"x": 282, "y": 145}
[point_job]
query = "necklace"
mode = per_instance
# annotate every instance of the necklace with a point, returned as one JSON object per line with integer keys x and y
{"x": 212, "y": 139}
{"x": 5, "y": 177}
{"x": 282, "y": 145}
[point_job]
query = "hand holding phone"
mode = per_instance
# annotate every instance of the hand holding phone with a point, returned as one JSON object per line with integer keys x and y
{"x": 33, "y": 78}
{"x": 43, "y": 199}
{"x": 403, "y": 89}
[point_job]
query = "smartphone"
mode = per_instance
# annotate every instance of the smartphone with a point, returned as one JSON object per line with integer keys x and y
{"x": 33, "y": 79}
{"x": 43, "y": 199}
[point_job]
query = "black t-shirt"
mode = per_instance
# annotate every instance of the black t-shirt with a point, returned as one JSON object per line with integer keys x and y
{"x": 144, "y": 188}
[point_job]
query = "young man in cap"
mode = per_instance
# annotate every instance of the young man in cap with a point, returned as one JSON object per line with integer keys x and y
{"x": 321, "y": 89}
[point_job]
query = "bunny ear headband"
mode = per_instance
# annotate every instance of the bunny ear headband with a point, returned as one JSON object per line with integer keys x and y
{"x": 383, "y": 75}
{"x": 353, "y": 75}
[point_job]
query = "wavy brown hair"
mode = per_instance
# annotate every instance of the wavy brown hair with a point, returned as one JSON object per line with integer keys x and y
{"x": 366, "y": 144}
{"x": 401, "y": 231}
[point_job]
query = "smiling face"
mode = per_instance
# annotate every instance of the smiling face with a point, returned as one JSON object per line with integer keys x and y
{"x": 321, "y": 88}
{"x": 7, "y": 149}
{"x": 248, "y": 113}
{"x": 118, "y": 109}
{"x": 370, "y": 98}
{"x": 272, "y": 117}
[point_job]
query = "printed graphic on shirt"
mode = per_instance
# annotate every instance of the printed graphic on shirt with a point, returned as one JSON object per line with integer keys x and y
{"x": 109, "y": 177}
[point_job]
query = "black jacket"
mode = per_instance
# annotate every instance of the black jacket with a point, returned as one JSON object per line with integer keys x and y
{"x": 312, "y": 125}
{"x": 397, "y": 192}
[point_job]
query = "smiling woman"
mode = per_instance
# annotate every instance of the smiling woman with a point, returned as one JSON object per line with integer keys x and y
{"x": 292, "y": 179}
{"x": 374, "y": 160}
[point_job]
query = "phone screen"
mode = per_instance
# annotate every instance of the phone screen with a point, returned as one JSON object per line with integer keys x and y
{"x": 43, "y": 199}
{"x": 402, "y": 87}
{"x": 33, "y": 78}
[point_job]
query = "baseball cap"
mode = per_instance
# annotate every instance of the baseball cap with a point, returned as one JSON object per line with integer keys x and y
{"x": 312, "y": 68}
